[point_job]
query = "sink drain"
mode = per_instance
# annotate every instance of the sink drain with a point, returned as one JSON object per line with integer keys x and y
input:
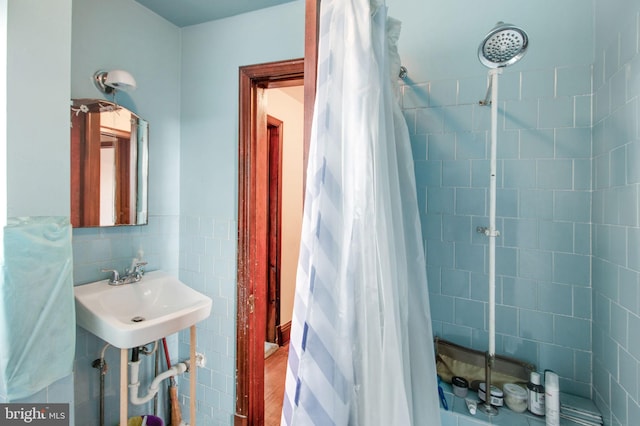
{"x": 137, "y": 319}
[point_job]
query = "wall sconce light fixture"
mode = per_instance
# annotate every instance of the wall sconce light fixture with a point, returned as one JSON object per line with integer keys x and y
{"x": 110, "y": 81}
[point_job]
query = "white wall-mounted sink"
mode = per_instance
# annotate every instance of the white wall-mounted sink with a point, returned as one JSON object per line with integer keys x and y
{"x": 132, "y": 315}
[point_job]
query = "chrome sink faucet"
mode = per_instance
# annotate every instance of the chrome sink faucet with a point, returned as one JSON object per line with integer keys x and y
{"x": 115, "y": 276}
{"x": 137, "y": 272}
{"x": 130, "y": 276}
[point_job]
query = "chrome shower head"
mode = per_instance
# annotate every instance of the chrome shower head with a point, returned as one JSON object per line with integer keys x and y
{"x": 505, "y": 45}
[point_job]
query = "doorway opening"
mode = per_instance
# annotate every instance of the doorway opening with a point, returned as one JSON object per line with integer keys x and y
{"x": 259, "y": 209}
{"x": 251, "y": 246}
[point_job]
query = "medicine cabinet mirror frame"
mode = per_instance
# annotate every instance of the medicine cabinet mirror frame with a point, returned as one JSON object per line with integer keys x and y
{"x": 109, "y": 165}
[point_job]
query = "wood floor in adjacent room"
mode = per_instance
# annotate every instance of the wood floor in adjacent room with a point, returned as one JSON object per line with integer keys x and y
{"x": 275, "y": 369}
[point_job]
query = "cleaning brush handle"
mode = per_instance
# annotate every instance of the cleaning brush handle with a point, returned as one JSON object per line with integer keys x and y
{"x": 176, "y": 414}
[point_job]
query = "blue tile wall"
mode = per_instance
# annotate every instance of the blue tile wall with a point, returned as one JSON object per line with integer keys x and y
{"x": 208, "y": 264}
{"x": 543, "y": 260}
{"x": 97, "y": 248}
{"x": 115, "y": 247}
{"x": 201, "y": 251}
{"x": 616, "y": 236}
{"x": 569, "y": 289}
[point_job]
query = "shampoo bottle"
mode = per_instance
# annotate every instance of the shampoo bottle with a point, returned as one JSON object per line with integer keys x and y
{"x": 552, "y": 398}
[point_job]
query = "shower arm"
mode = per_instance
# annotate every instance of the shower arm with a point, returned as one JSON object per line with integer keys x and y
{"x": 487, "y": 98}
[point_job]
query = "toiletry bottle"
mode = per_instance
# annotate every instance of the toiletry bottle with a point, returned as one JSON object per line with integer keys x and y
{"x": 535, "y": 403}
{"x": 552, "y": 398}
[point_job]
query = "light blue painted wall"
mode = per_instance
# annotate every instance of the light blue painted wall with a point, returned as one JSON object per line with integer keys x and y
{"x": 3, "y": 109}
{"x": 439, "y": 40}
{"x": 148, "y": 47}
{"x": 128, "y": 36}
{"x": 615, "y": 211}
{"x": 211, "y": 55}
{"x": 543, "y": 261}
{"x": 193, "y": 148}
{"x": 38, "y": 37}
{"x": 38, "y": 56}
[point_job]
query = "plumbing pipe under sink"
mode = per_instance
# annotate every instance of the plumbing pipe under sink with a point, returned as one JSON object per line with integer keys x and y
{"x": 134, "y": 385}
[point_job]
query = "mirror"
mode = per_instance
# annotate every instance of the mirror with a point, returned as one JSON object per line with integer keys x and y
{"x": 109, "y": 165}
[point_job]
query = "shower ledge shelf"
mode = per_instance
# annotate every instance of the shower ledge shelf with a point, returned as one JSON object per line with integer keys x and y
{"x": 458, "y": 414}
{"x": 133, "y": 315}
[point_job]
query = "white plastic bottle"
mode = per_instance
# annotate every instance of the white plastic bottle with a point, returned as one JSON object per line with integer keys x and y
{"x": 552, "y": 398}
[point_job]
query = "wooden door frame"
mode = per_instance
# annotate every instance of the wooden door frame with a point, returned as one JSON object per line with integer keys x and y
{"x": 311, "y": 35}
{"x": 253, "y": 232}
{"x": 251, "y": 257}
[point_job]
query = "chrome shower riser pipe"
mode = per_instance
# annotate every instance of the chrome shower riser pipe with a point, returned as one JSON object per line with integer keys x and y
{"x": 492, "y": 207}
{"x": 492, "y": 233}
{"x": 503, "y": 46}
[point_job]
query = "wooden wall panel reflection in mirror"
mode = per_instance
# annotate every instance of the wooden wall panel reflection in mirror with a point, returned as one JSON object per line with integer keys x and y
{"x": 109, "y": 165}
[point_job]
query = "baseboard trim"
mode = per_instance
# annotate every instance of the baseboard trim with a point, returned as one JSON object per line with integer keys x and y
{"x": 284, "y": 333}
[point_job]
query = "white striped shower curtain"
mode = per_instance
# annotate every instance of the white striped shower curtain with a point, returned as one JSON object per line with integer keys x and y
{"x": 361, "y": 350}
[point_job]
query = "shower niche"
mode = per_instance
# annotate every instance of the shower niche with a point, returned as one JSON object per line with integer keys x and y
{"x": 109, "y": 165}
